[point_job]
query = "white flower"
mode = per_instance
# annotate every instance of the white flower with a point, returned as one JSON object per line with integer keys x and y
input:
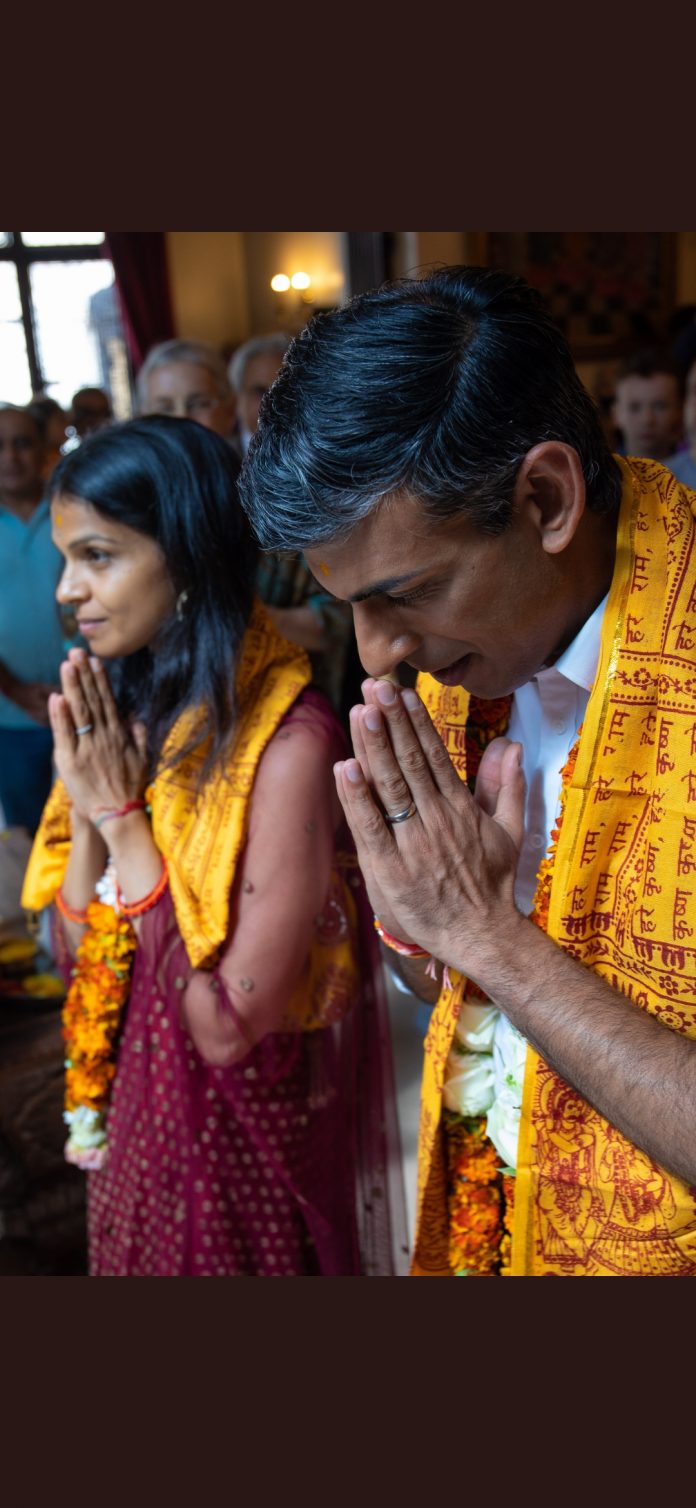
{"x": 503, "y": 1127}
{"x": 510, "y": 1056}
{"x": 509, "y": 1059}
{"x": 475, "y": 1027}
{"x": 86, "y": 1127}
{"x": 107, "y": 887}
{"x": 468, "y": 1089}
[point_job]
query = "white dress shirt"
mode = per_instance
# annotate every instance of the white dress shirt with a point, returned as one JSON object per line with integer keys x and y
{"x": 545, "y": 717}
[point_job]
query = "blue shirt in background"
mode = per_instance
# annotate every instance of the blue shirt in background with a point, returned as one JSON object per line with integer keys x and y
{"x": 31, "y": 633}
{"x": 683, "y": 467}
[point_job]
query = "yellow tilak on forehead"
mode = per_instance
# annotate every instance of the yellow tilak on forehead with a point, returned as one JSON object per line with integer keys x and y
{"x": 59, "y": 518}
{"x": 324, "y": 568}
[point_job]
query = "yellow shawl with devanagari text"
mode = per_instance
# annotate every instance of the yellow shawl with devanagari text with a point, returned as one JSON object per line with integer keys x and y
{"x": 623, "y": 902}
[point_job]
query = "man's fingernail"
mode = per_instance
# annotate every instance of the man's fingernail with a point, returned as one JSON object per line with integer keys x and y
{"x": 353, "y": 772}
{"x": 410, "y": 699}
{"x": 372, "y": 719}
{"x": 386, "y": 693}
{"x": 94, "y": 662}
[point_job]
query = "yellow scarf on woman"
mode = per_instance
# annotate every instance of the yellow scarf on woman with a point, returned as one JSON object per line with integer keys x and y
{"x": 623, "y": 901}
{"x": 202, "y": 834}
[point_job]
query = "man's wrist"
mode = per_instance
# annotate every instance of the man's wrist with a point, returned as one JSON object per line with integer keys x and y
{"x": 499, "y": 960}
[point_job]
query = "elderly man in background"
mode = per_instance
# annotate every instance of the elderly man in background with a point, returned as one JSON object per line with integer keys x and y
{"x": 31, "y": 634}
{"x": 252, "y": 371}
{"x": 301, "y": 609}
{"x": 188, "y": 379}
{"x": 431, "y": 448}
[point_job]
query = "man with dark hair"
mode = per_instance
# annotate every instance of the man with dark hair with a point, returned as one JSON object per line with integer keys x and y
{"x": 432, "y": 450}
{"x": 647, "y": 406}
{"x": 90, "y": 410}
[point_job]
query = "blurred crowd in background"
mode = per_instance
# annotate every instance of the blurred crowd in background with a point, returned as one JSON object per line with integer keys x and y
{"x": 646, "y": 399}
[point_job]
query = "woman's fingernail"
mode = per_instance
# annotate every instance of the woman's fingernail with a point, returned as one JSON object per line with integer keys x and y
{"x": 386, "y": 693}
{"x": 410, "y": 699}
{"x": 354, "y": 772}
{"x": 372, "y": 719}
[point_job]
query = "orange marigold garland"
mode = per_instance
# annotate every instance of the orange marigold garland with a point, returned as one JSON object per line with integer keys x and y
{"x": 480, "y": 1189}
{"x": 92, "y": 1016}
{"x": 475, "y": 1197}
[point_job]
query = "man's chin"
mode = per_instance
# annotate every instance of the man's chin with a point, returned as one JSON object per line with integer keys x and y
{"x": 478, "y": 679}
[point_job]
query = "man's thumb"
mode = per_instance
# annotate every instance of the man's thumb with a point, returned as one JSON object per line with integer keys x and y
{"x": 509, "y": 811}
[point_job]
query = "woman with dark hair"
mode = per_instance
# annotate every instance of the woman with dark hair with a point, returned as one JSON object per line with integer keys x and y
{"x": 215, "y": 1021}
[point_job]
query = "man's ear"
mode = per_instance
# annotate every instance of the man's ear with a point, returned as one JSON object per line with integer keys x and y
{"x": 550, "y": 489}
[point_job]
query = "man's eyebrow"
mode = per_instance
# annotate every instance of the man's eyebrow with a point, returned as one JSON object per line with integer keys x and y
{"x": 389, "y": 585}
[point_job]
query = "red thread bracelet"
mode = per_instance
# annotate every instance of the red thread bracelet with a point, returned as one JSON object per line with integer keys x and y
{"x": 69, "y": 912}
{"x": 407, "y": 950}
{"x": 130, "y": 806}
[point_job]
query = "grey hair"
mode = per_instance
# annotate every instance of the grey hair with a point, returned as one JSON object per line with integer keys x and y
{"x": 189, "y": 352}
{"x": 260, "y": 345}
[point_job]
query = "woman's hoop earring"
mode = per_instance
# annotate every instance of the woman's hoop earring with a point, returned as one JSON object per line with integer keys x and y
{"x": 181, "y": 601}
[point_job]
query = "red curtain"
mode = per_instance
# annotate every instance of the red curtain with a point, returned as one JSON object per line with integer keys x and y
{"x": 142, "y": 281}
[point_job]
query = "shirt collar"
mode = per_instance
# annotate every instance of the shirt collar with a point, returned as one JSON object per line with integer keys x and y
{"x": 579, "y": 661}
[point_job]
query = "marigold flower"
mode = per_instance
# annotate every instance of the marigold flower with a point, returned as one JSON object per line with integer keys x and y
{"x": 481, "y": 1197}
{"x": 92, "y": 1015}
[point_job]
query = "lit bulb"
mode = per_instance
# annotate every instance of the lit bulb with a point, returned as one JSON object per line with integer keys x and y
{"x": 280, "y": 283}
{"x": 300, "y": 280}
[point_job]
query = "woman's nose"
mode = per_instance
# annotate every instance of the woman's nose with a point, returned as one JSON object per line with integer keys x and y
{"x": 69, "y": 588}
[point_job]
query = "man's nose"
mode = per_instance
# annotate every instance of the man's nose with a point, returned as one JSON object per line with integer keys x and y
{"x": 380, "y": 648}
